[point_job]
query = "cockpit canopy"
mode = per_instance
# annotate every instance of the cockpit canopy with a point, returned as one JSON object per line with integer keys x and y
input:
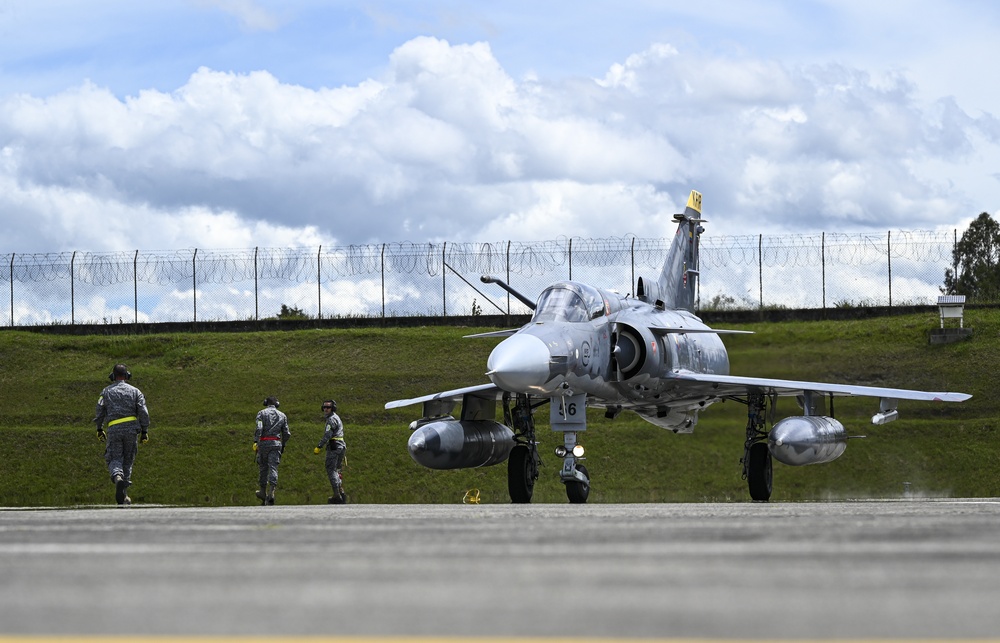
{"x": 569, "y": 301}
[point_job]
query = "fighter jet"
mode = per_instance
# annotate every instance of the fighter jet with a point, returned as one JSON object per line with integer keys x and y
{"x": 649, "y": 354}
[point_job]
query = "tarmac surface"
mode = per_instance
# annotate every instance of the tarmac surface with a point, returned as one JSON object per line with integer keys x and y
{"x": 868, "y": 569}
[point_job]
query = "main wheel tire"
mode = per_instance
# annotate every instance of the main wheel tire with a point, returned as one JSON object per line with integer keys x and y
{"x": 520, "y": 474}
{"x": 576, "y": 491}
{"x": 759, "y": 472}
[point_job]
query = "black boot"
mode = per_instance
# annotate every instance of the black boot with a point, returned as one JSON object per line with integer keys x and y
{"x": 120, "y": 486}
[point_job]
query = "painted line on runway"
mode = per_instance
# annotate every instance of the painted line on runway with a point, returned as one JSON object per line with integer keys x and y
{"x": 719, "y": 550}
{"x": 435, "y": 639}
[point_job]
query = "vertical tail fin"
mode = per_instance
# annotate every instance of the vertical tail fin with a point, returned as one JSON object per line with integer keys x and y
{"x": 678, "y": 282}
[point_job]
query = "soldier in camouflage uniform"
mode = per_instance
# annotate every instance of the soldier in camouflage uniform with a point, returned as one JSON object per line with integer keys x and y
{"x": 122, "y": 408}
{"x": 336, "y": 449}
{"x": 269, "y": 442}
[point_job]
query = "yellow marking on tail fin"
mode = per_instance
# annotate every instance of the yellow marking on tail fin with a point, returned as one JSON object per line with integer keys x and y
{"x": 694, "y": 201}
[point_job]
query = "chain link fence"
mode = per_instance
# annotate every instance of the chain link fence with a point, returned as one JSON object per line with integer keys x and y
{"x": 442, "y": 279}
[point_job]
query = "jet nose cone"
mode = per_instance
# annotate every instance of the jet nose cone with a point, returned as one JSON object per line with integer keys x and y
{"x": 519, "y": 364}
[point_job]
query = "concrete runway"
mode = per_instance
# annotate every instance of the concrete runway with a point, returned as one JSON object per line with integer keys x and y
{"x": 904, "y": 569}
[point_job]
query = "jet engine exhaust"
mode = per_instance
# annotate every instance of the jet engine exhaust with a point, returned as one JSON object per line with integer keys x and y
{"x": 809, "y": 439}
{"x": 455, "y": 444}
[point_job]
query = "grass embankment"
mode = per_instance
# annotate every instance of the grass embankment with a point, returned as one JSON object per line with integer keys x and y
{"x": 204, "y": 390}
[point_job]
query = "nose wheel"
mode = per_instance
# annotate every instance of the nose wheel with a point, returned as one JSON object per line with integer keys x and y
{"x": 578, "y": 491}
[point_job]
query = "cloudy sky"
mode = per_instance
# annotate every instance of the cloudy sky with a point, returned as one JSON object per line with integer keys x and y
{"x": 162, "y": 125}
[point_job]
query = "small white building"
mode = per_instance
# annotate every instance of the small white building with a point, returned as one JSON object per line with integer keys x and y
{"x": 952, "y": 307}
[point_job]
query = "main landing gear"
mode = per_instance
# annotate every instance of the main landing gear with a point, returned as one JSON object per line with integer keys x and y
{"x": 757, "y": 468}
{"x": 523, "y": 463}
{"x": 568, "y": 414}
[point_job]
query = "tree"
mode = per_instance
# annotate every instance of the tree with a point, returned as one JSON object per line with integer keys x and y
{"x": 976, "y": 260}
{"x": 291, "y": 312}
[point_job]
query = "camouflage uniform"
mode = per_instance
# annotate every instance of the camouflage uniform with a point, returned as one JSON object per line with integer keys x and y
{"x": 270, "y": 438}
{"x": 336, "y": 449}
{"x": 122, "y": 408}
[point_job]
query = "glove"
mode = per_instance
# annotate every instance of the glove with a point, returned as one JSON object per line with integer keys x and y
{"x": 316, "y": 450}
{"x": 101, "y": 435}
{"x": 144, "y": 438}
{"x": 255, "y": 447}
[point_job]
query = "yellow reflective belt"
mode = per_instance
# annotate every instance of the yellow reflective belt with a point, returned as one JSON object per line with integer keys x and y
{"x": 130, "y": 418}
{"x": 336, "y": 438}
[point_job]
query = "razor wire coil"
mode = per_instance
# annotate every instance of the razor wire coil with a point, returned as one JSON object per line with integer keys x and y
{"x": 737, "y": 267}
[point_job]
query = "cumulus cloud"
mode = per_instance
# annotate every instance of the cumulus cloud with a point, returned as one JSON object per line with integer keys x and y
{"x": 446, "y": 145}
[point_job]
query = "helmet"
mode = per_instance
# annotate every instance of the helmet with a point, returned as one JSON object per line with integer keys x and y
{"x": 331, "y": 404}
{"x": 119, "y": 371}
{"x": 270, "y": 400}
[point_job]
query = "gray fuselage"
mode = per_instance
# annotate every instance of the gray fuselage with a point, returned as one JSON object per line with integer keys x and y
{"x": 620, "y": 351}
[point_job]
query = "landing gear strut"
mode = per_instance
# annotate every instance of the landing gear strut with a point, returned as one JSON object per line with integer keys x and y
{"x": 523, "y": 463}
{"x": 569, "y": 415}
{"x": 757, "y": 469}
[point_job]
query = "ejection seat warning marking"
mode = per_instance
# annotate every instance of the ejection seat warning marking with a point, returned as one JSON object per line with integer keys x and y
{"x": 569, "y": 413}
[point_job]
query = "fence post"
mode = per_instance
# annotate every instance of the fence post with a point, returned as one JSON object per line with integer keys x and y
{"x": 135, "y": 285}
{"x": 444, "y": 288}
{"x": 383, "y": 281}
{"x": 72, "y": 291}
{"x": 822, "y": 261}
{"x": 760, "y": 268}
{"x": 508, "y": 276}
{"x": 631, "y": 286}
{"x": 194, "y": 284}
{"x": 571, "y": 258}
{"x": 12, "y": 255}
{"x": 954, "y": 252}
{"x": 319, "y": 284}
{"x": 256, "y": 289}
{"x": 888, "y": 256}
